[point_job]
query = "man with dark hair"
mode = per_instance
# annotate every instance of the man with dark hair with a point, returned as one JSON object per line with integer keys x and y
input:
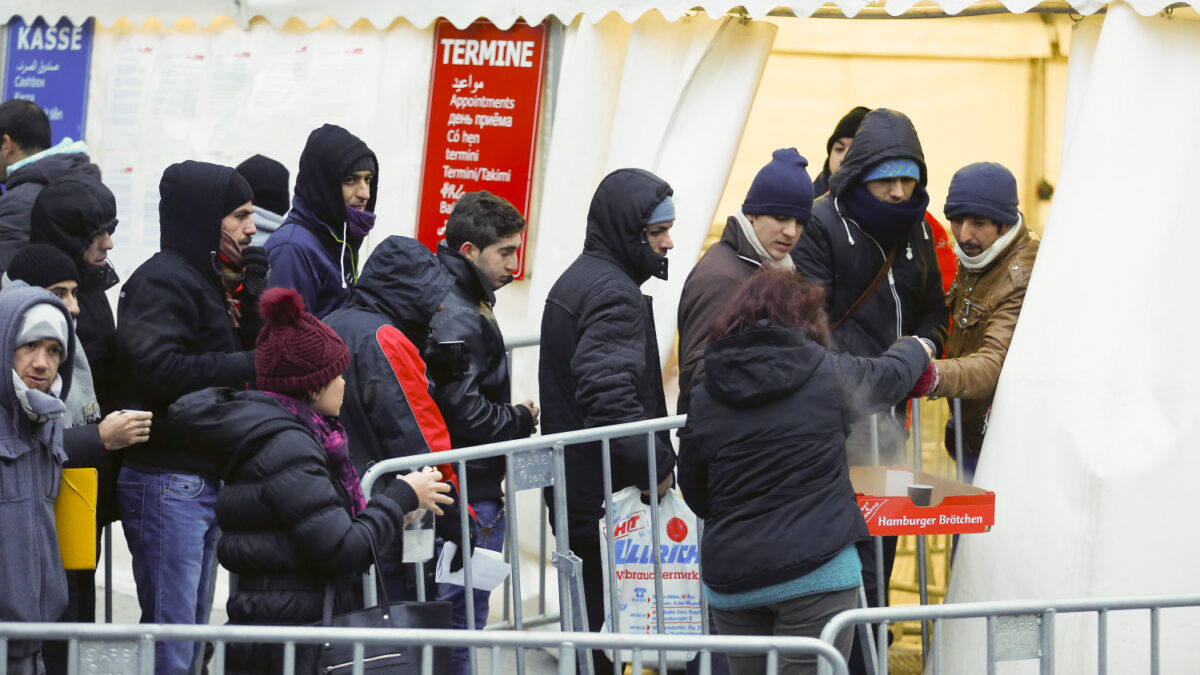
{"x": 187, "y": 320}
{"x": 483, "y": 235}
{"x": 30, "y": 164}
{"x": 599, "y": 359}
{"x": 315, "y": 251}
{"x": 269, "y": 180}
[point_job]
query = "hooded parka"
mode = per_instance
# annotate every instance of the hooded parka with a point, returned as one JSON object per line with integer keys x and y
{"x": 22, "y": 188}
{"x": 836, "y": 251}
{"x": 388, "y": 410}
{"x": 313, "y": 251}
{"x": 761, "y": 458}
{"x": 33, "y": 586}
{"x": 174, "y": 335}
{"x": 476, "y": 405}
{"x": 286, "y": 527}
{"x": 599, "y": 356}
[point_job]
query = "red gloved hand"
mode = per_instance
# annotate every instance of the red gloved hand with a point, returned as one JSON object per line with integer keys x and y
{"x": 926, "y": 383}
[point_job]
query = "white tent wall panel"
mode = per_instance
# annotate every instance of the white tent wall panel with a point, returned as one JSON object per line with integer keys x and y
{"x": 1091, "y": 444}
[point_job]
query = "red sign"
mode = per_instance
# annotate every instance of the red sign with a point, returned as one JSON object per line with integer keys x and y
{"x": 481, "y": 131}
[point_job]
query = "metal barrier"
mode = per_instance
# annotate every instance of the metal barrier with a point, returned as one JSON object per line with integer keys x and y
{"x": 1016, "y": 630}
{"x": 538, "y": 462}
{"x": 129, "y": 648}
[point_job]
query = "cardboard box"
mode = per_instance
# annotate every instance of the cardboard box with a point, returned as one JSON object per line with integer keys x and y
{"x": 955, "y": 508}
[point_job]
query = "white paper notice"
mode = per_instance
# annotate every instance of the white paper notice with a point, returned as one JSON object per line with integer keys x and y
{"x": 488, "y": 569}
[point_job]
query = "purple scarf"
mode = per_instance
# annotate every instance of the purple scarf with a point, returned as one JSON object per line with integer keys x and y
{"x": 359, "y": 223}
{"x": 333, "y": 438}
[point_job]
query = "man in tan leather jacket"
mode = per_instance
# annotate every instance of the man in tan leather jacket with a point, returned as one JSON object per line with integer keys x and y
{"x": 995, "y": 259}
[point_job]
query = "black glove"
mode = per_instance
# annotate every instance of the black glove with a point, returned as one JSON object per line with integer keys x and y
{"x": 257, "y": 268}
{"x": 448, "y": 361}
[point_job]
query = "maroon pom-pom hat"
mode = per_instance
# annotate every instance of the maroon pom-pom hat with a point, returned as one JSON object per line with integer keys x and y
{"x": 296, "y": 352}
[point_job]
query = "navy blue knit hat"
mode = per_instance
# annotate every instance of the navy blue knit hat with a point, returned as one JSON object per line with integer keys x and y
{"x": 983, "y": 190}
{"x": 781, "y": 188}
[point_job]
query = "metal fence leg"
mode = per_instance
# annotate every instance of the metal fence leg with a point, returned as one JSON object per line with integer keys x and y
{"x": 881, "y": 598}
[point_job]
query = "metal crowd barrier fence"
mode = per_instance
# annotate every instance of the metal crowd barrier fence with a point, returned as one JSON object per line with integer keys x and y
{"x": 129, "y": 648}
{"x": 1017, "y": 630}
{"x": 539, "y": 462}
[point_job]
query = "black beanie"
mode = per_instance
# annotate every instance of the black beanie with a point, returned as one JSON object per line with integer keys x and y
{"x": 781, "y": 188}
{"x": 238, "y": 193}
{"x": 364, "y": 163}
{"x": 42, "y": 265}
{"x": 269, "y": 180}
{"x": 983, "y": 190}
{"x": 847, "y": 126}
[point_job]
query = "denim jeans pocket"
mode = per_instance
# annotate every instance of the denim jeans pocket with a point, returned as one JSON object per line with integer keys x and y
{"x": 183, "y": 486}
{"x": 130, "y": 498}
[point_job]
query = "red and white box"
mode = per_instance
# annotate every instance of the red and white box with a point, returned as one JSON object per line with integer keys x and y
{"x": 954, "y": 507}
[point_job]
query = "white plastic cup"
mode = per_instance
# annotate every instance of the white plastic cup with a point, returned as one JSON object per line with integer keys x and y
{"x": 418, "y": 536}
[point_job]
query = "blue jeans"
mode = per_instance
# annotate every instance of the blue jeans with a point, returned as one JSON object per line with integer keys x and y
{"x": 170, "y": 524}
{"x": 490, "y": 535}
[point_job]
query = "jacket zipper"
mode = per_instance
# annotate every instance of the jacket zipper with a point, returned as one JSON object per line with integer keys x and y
{"x": 892, "y": 287}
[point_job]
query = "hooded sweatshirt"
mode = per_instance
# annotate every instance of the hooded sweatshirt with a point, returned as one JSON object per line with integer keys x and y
{"x": 841, "y": 252}
{"x": 173, "y": 330}
{"x": 599, "y": 358}
{"x": 33, "y": 586}
{"x": 388, "y": 410}
{"x": 314, "y": 251}
{"x": 22, "y": 188}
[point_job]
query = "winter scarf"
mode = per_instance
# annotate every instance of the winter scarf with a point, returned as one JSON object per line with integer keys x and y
{"x": 333, "y": 439}
{"x": 752, "y": 237}
{"x": 888, "y": 223}
{"x": 989, "y": 256}
{"x": 43, "y": 409}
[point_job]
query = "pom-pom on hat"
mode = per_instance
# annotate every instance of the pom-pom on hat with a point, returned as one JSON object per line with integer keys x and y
{"x": 296, "y": 352}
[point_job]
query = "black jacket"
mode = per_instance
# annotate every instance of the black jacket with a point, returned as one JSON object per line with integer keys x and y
{"x": 286, "y": 528}
{"x": 71, "y": 212}
{"x": 388, "y": 410}
{"x": 599, "y": 355}
{"x": 761, "y": 459}
{"x": 174, "y": 335}
{"x": 836, "y": 252}
{"x": 22, "y": 188}
{"x": 476, "y": 404}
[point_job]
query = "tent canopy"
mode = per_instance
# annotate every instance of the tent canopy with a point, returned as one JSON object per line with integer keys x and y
{"x": 421, "y": 13}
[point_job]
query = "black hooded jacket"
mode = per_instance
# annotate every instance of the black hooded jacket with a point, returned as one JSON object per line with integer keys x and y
{"x": 762, "y": 457}
{"x": 68, "y": 214}
{"x": 305, "y": 251}
{"x": 837, "y": 252}
{"x": 22, "y": 188}
{"x": 476, "y": 404}
{"x": 286, "y": 528}
{"x": 599, "y": 356}
{"x": 388, "y": 410}
{"x": 173, "y": 334}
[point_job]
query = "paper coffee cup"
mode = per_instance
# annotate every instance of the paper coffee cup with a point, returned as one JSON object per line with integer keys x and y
{"x": 920, "y": 495}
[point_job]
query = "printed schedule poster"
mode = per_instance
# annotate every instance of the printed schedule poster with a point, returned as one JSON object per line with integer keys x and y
{"x": 481, "y": 133}
{"x": 49, "y": 66}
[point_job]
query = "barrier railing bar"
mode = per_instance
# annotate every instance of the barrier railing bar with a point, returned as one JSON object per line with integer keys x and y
{"x": 656, "y": 539}
{"x": 289, "y": 657}
{"x": 614, "y": 592}
{"x": 991, "y": 645}
{"x": 1154, "y": 636}
{"x": 1047, "y": 642}
{"x": 937, "y": 640}
{"x": 464, "y": 521}
{"x": 427, "y": 660}
{"x": 510, "y": 535}
{"x": 218, "y": 662}
{"x": 1102, "y": 642}
{"x": 958, "y": 440}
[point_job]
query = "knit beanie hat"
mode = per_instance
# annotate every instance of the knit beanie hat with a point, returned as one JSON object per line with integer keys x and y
{"x": 42, "y": 321}
{"x": 983, "y": 190}
{"x": 664, "y": 211}
{"x": 239, "y": 192}
{"x": 781, "y": 188}
{"x": 893, "y": 168}
{"x": 42, "y": 265}
{"x": 364, "y": 163}
{"x": 296, "y": 352}
{"x": 847, "y": 126}
{"x": 269, "y": 180}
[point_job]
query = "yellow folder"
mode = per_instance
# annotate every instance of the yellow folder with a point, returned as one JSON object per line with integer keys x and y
{"x": 75, "y": 518}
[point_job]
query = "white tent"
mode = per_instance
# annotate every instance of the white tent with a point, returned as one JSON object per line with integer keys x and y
{"x": 1089, "y": 450}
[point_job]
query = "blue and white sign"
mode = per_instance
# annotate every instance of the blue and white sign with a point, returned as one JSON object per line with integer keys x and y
{"x": 50, "y": 65}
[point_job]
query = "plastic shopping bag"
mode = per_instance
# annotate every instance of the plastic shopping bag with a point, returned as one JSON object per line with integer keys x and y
{"x": 633, "y": 542}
